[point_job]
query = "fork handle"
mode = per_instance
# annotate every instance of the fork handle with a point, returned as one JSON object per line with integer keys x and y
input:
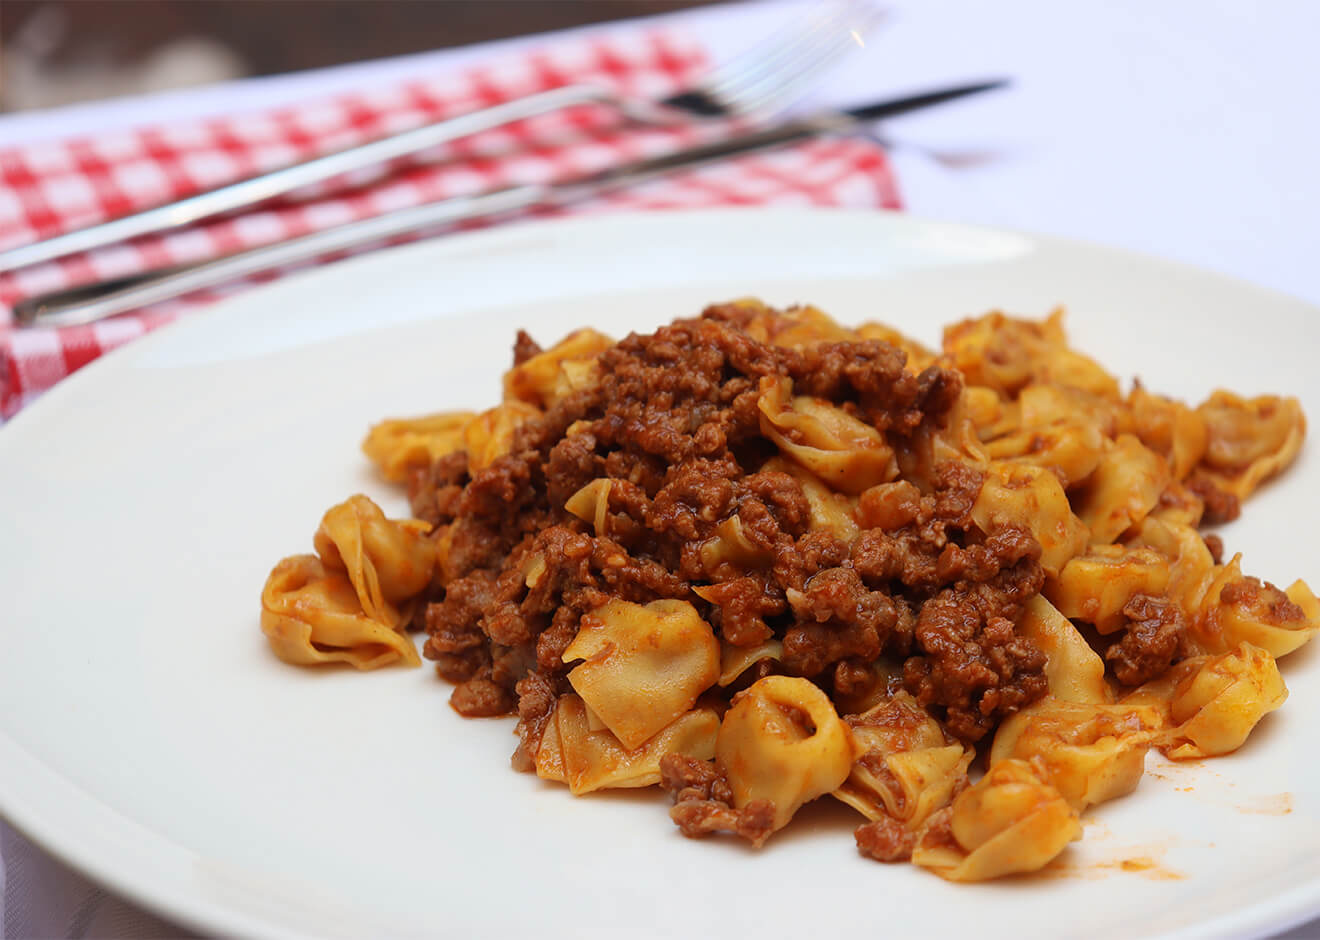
{"x": 96, "y": 301}
{"x": 256, "y": 189}
{"x": 92, "y": 302}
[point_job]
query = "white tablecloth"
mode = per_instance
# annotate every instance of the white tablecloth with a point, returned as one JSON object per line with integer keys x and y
{"x": 1184, "y": 128}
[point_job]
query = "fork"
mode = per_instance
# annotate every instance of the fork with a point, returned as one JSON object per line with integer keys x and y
{"x": 90, "y": 302}
{"x": 756, "y": 84}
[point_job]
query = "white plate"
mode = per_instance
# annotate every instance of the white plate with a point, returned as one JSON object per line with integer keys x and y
{"x": 149, "y": 737}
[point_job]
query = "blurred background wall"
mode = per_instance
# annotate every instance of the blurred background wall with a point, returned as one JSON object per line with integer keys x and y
{"x": 56, "y": 52}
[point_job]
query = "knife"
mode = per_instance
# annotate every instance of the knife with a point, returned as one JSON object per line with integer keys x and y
{"x": 91, "y": 302}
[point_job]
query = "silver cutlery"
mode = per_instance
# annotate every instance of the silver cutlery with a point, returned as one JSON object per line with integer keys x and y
{"x": 759, "y": 83}
{"x": 93, "y": 302}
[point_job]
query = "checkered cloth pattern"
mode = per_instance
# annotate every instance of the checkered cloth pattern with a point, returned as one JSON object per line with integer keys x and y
{"x": 54, "y": 187}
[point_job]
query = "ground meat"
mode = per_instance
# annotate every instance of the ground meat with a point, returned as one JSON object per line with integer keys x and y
{"x": 703, "y": 802}
{"x": 885, "y": 840}
{"x": 571, "y": 465}
{"x": 481, "y": 698}
{"x": 838, "y": 619}
{"x": 536, "y": 704}
{"x": 675, "y": 424}
{"x": 1150, "y": 641}
{"x": 433, "y": 493}
{"x": 739, "y": 608}
{"x": 688, "y": 775}
{"x": 1215, "y": 545}
{"x": 460, "y": 667}
{"x": 452, "y": 623}
{"x": 973, "y": 664}
{"x": 911, "y": 534}
{"x": 524, "y": 348}
{"x": 551, "y": 644}
{"x": 854, "y": 679}
{"x": 1265, "y": 601}
{"x": 1220, "y": 505}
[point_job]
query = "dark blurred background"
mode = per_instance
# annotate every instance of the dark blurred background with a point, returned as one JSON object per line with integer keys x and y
{"x": 56, "y": 52}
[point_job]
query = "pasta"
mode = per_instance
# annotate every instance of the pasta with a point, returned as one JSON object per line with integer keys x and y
{"x": 587, "y": 758}
{"x": 759, "y": 558}
{"x": 907, "y": 768}
{"x": 783, "y": 743}
{"x": 349, "y": 604}
{"x": 1073, "y": 671}
{"x": 1010, "y": 821}
{"x": 1209, "y": 704}
{"x": 1020, "y": 495}
{"x": 837, "y": 448}
{"x": 312, "y": 615}
{"x": 642, "y": 668}
{"x": 1249, "y": 440}
{"x": 1088, "y": 752}
{"x": 402, "y": 446}
{"x": 387, "y": 562}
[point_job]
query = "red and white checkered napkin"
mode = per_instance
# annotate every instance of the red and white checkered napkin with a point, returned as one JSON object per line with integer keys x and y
{"x": 54, "y": 187}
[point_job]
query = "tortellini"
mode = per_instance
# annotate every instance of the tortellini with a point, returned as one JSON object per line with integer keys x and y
{"x": 1056, "y": 428}
{"x": 1075, "y": 672}
{"x": 1094, "y": 587}
{"x": 736, "y": 660}
{"x": 1223, "y": 607}
{"x": 1191, "y": 566}
{"x": 800, "y": 326}
{"x": 349, "y": 604}
{"x": 587, "y": 758}
{"x": 782, "y": 741}
{"x": 1072, "y": 451}
{"x": 388, "y": 561}
{"x": 991, "y": 415}
{"x": 1250, "y": 440}
{"x": 311, "y": 615}
{"x": 1089, "y": 753}
{"x": 489, "y": 435}
{"x": 1170, "y": 429}
{"x": 401, "y": 445}
{"x": 908, "y": 488}
{"x": 907, "y": 767}
{"x": 565, "y": 367}
{"x": 1301, "y": 595}
{"x": 1212, "y": 703}
{"x": 1010, "y": 821}
{"x": 1040, "y": 406}
{"x": 1006, "y": 354}
{"x": 642, "y": 665}
{"x": 1124, "y": 488}
{"x": 1033, "y": 499}
{"x": 1180, "y": 505}
{"x": 841, "y": 450}
{"x": 1238, "y": 609}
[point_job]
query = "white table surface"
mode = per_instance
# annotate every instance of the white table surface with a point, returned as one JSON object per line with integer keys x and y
{"x": 1182, "y": 128}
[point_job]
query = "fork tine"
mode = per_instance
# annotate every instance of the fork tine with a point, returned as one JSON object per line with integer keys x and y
{"x": 770, "y": 52}
{"x": 779, "y": 86}
{"x": 789, "y": 59}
